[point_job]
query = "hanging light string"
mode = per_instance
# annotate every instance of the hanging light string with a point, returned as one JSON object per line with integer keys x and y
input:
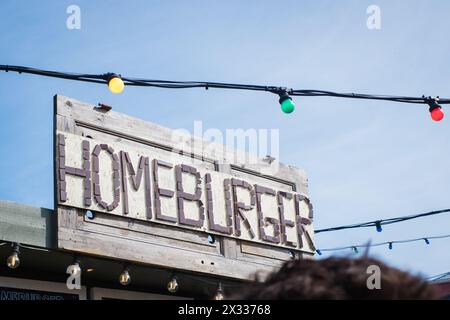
{"x": 381, "y": 222}
{"x": 389, "y": 243}
{"x": 117, "y": 83}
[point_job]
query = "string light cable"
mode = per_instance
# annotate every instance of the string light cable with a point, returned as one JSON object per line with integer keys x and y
{"x": 117, "y": 83}
{"x": 379, "y": 223}
{"x": 27, "y": 247}
{"x": 390, "y": 244}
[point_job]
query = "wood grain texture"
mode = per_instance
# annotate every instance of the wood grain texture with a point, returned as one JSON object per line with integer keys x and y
{"x": 164, "y": 245}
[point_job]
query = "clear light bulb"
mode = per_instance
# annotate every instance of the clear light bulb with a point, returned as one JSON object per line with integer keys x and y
{"x": 13, "y": 260}
{"x": 172, "y": 286}
{"x": 219, "y": 295}
{"x": 125, "y": 278}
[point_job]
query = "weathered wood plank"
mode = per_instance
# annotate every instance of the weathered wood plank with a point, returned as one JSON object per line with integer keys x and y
{"x": 157, "y": 255}
{"x": 27, "y": 225}
{"x": 149, "y": 233}
{"x": 140, "y": 129}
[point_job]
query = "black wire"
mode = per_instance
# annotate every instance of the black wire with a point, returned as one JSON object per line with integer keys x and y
{"x": 383, "y": 221}
{"x": 316, "y": 93}
{"x": 223, "y": 282}
{"x": 382, "y": 243}
{"x": 439, "y": 276}
{"x": 170, "y": 84}
{"x": 103, "y": 78}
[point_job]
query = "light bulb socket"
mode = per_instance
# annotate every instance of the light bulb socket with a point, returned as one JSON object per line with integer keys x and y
{"x": 110, "y": 75}
{"x": 15, "y": 247}
{"x": 284, "y": 96}
{"x": 76, "y": 260}
{"x": 126, "y": 268}
{"x": 433, "y": 103}
{"x": 378, "y": 226}
{"x": 434, "y": 107}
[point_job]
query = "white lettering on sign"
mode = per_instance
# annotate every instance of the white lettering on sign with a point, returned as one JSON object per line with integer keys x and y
{"x": 135, "y": 181}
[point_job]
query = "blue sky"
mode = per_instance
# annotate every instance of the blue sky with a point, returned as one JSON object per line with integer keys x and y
{"x": 365, "y": 160}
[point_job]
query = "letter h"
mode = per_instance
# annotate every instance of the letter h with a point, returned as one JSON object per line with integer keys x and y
{"x": 84, "y": 173}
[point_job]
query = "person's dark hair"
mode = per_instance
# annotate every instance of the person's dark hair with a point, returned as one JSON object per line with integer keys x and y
{"x": 336, "y": 279}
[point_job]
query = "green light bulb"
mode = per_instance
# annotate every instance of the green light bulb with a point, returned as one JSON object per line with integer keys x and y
{"x": 287, "y": 106}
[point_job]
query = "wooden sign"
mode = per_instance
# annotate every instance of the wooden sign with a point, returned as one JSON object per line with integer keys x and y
{"x": 137, "y": 182}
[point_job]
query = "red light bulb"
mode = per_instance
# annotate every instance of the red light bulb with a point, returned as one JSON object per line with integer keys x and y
{"x": 437, "y": 114}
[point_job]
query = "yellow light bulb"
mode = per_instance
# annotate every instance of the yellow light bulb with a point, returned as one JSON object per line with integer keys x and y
{"x": 116, "y": 85}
